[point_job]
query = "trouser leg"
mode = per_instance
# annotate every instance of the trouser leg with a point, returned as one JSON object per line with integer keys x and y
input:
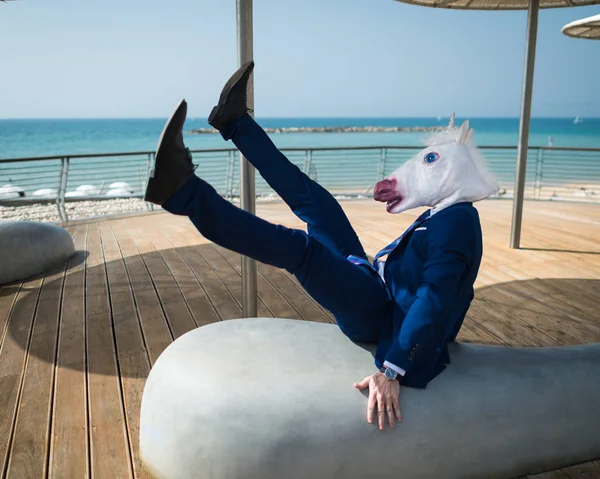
{"x": 354, "y": 294}
{"x": 311, "y": 202}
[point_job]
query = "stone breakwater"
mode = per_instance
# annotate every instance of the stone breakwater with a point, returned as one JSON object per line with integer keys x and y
{"x": 336, "y": 129}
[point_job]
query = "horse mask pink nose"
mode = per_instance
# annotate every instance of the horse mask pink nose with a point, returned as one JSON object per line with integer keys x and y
{"x": 450, "y": 170}
{"x": 386, "y": 190}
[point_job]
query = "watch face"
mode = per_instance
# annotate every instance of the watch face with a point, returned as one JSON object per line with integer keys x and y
{"x": 390, "y": 373}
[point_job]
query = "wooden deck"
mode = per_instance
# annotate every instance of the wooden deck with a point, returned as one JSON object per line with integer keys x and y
{"x": 77, "y": 344}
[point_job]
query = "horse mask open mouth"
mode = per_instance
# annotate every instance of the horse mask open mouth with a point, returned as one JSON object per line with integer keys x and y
{"x": 387, "y": 191}
{"x": 449, "y": 170}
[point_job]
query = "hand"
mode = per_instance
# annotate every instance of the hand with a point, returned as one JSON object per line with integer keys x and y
{"x": 385, "y": 393}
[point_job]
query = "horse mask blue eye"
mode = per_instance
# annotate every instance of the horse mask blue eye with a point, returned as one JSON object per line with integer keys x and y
{"x": 431, "y": 157}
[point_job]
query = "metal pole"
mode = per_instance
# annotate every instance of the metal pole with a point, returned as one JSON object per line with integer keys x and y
{"x": 532, "y": 23}
{"x": 247, "y": 175}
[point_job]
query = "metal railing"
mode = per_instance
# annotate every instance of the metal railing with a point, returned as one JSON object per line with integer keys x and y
{"x": 553, "y": 173}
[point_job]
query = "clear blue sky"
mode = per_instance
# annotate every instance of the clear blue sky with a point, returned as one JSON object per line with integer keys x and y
{"x": 137, "y": 58}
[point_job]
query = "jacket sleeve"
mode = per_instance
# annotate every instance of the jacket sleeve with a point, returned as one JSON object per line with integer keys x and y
{"x": 450, "y": 245}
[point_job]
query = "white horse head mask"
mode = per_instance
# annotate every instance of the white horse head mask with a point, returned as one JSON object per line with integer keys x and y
{"x": 450, "y": 170}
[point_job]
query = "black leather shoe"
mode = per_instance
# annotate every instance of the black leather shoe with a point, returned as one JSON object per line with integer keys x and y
{"x": 233, "y": 101}
{"x": 173, "y": 161}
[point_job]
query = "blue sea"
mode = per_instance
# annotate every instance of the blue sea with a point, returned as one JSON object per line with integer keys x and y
{"x": 341, "y": 171}
{"x": 29, "y": 138}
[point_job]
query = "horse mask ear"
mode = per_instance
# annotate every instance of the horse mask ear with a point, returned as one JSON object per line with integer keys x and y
{"x": 464, "y": 134}
{"x": 451, "y": 122}
{"x": 469, "y": 138}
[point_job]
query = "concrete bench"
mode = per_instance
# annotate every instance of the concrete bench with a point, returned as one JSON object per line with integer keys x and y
{"x": 28, "y": 248}
{"x": 274, "y": 398}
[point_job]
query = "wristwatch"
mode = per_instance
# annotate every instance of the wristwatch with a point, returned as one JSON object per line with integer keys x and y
{"x": 390, "y": 374}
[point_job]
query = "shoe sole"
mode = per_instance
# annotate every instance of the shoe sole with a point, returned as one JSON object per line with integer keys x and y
{"x": 234, "y": 80}
{"x": 169, "y": 132}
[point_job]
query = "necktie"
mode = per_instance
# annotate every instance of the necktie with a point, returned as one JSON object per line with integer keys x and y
{"x": 389, "y": 248}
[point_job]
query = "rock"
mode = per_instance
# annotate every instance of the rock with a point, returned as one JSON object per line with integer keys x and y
{"x": 83, "y": 190}
{"x": 10, "y": 195}
{"x": 28, "y": 248}
{"x": 120, "y": 185}
{"x": 11, "y": 191}
{"x": 119, "y": 192}
{"x": 45, "y": 192}
{"x": 274, "y": 398}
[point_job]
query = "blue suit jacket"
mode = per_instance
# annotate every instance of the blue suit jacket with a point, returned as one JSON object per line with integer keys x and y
{"x": 430, "y": 275}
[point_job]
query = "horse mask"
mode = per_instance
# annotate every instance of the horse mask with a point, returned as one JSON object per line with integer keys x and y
{"x": 449, "y": 170}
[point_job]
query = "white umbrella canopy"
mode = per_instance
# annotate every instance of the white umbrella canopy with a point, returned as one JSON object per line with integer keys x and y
{"x": 498, "y": 4}
{"x": 588, "y": 27}
{"x": 533, "y": 8}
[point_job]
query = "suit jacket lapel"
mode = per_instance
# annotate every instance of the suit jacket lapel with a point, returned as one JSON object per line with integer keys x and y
{"x": 398, "y": 241}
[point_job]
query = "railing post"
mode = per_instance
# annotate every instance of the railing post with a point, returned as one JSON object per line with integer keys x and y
{"x": 537, "y": 191}
{"x": 60, "y": 195}
{"x": 382, "y": 164}
{"x": 149, "y": 166}
{"x": 307, "y": 162}
{"x": 64, "y": 190}
{"x": 229, "y": 176}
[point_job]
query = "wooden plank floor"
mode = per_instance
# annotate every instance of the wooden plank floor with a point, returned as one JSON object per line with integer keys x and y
{"x": 76, "y": 344}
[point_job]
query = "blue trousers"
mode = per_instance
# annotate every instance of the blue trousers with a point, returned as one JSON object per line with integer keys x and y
{"x": 356, "y": 296}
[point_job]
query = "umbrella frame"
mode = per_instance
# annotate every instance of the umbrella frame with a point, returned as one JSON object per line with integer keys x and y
{"x": 247, "y": 174}
{"x": 525, "y": 120}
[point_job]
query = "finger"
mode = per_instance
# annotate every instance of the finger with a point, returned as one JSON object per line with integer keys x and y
{"x": 397, "y": 410}
{"x": 371, "y": 408}
{"x": 390, "y": 412}
{"x": 380, "y": 412}
{"x": 363, "y": 384}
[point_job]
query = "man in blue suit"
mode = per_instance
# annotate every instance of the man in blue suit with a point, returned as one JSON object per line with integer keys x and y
{"x": 412, "y": 304}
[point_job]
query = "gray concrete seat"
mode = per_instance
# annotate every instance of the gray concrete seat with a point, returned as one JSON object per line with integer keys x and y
{"x": 274, "y": 398}
{"x": 28, "y": 248}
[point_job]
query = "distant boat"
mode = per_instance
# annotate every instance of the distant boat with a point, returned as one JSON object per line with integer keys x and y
{"x": 577, "y": 120}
